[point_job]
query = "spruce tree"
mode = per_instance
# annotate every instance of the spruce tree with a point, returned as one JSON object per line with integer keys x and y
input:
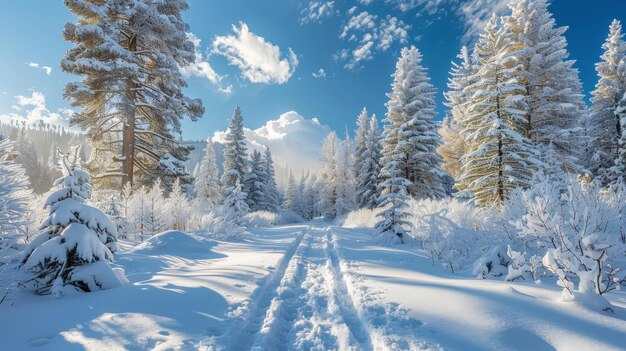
{"x": 206, "y": 185}
{"x": 271, "y": 189}
{"x": 368, "y": 181}
{"x": 131, "y": 100}
{"x": 617, "y": 174}
{"x": 605, "y": 127}
{"x": 410, "y": 134}
{"x": 256, "y": 182}
{"x": 458, "y": 99}
{"x": 552, "y": 88}
{"x": 77, "y": 240}
{"x": 235, "y": 154}
{"x": 360, "y": 148}
{"x": 499, "y": 158}
{"x": 328, "y": 176}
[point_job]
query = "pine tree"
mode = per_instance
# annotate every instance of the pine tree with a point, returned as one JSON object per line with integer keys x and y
{"x": 206, "y": 185}
{"x": 139, "y": 210}
{"x": 410, "y": 135}
{"x": 551, "y": 84}
{"x": 178, "y": 207}
{"x": 393, "y": 203}
{"x": 235, "y": 154}
{"x": 15, "y": 196}
{"x": 328, "y": 176}
{"x": 157, "y": 218}
{"x": 77, "y": 241}
{"x": 368, "y": 181}
{"x": 618, "y": 171}
{"x": 289, "y": 202}
{"x": 605, "y": 125}
{"x": 360, "y": 148}
{"x": 128, "y": 53}
{"x": 271, "y": 189}
{"x": 234, "y": 204}
{"x": 345, "y": 180}
{"x": 256, "y": 182}
{"x": 458, "y": 99}
{"x": 499, "y": 158}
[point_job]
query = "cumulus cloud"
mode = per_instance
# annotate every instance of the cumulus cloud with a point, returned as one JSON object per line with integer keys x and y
{"x": 48, "y": 69}
{"x": 319, "y": 74}
{"x": 201, "y": 67}
{"x": 259, "y": 60}
{"x": 317, "y": 11}
{"x": 371, "y": 35}
{"x": 294, "y": 140}
{"x": 35, "y": 112}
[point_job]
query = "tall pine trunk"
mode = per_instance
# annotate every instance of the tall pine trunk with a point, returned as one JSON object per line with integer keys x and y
{"x": 128, "y": 140}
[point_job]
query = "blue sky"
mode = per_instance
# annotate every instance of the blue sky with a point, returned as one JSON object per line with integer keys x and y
{"x": 297, "y": 44}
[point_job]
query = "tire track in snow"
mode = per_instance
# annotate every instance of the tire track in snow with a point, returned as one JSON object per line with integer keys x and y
{"x": 241, "y": 334}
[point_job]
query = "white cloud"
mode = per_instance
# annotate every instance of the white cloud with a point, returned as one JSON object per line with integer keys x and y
{"x": 259, "y": 60}
{"x": 319, "y": 74}
{"x": 48, "y": 69}
{"x": 34, "y": 111}
{"x": 201, "y": 67}
{"x": 372, "y": 35}
{"x": 317, "y": 11}
{"x": 476, "y": 14}
{"x": 294, "y": 140}
{"x": 366, "y": 2}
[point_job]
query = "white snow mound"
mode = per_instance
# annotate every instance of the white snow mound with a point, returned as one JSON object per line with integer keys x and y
{"x": 173, "y": 242}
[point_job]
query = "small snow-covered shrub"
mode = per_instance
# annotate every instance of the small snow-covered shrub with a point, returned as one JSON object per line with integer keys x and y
{"x": 494, "y": 262}
{"x": 260, "y": 219}
{"x": 362, "y": 218}
{"x": 77, "y": 241}
{"x": 522, "y": 268}
{"x": 451, "y": 231}
{"x": 221, "y": 226}
{"x": 289, "y": 217}
{"x": 577, "y": 232}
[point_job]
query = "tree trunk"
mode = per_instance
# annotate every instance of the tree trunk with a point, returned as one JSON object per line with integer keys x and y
{"x": 128, "y": 140}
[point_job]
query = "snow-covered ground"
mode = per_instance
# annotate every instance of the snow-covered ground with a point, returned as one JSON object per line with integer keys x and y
{"x": 303, "y": 287}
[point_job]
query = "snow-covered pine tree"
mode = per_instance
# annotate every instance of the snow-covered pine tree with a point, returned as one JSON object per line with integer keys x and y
{"x": 328, "y": 176}
{"x": 617, "y": 173}
{"x": 605, "y": 127}
{"x": 178, "y": 207}
{"x": 499, "y": 158}
{"x": 393, "y": 205}
{"x": 255, "y": 183}
{"x": 157, "y": 218}
{"x": 77, "y": 241}
{"x": 271, "y": 189}
{"x": 289, "y": 201}
{"x": 552, "y": 87}
{"x": 234, "y": 204}
{"x": 346, "y": 182}
{"x": 362, "y": 130}
{"x": 129, "y": 55}
{"x": 206, "y": 185}
{"x": 457, "y": 98}
{"x": 15, "y": 196}
{"x": 410, "y": 134}
{"x": 139, "y": 211}
{"x": 368, "y": 181}
{"x": 235, "y": 154}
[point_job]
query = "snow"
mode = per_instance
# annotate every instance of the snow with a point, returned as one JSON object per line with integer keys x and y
{"x": 310, "y": 286}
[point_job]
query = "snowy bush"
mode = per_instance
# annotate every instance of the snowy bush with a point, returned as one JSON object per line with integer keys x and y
{"x": 577, "y": 233}
{"x": 77, "y": 241}
{"x": 363, "y": 218}
{"x": 260, "y": 219}
{"x": 219, "y": 225}
{"x": 452, "y": 231}
{"x": 289, "y": 217}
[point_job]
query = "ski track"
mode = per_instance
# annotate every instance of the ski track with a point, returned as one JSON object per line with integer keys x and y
{"x": 389, "y": 325}
{"x": 250, "y": 319}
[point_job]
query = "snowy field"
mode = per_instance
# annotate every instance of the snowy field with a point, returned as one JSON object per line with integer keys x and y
{"x": 303, "y": 287}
